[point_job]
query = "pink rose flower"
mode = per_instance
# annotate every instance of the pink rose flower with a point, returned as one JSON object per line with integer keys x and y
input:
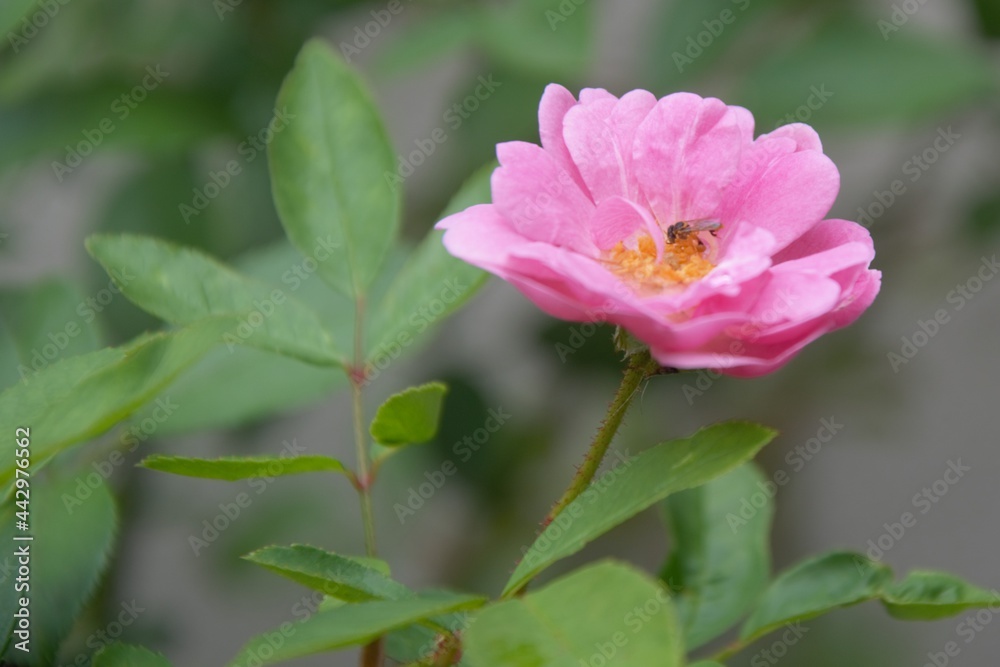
{"x": 668, "y": 218}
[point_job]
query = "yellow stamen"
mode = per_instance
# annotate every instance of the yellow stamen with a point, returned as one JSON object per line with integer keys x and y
{"x": 683, "y": 262}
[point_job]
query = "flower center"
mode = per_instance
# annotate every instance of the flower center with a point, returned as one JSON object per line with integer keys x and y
{"x": 682, "y": 261}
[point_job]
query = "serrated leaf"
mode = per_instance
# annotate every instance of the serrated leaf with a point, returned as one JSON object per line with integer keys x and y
{"x": 68, "y": 515}
{"x": 331, "y": 169}
{"x": 646, "y": 479}
{"x": 183, "y": 286}
{"x": 409, "y": 417}
{"x": 236, "y": 468}
{"x": 608, "y": 610}
{"x": 816, "y": 586}
{"x": 81, "y": 397}
{"x": 432, "y": 284}
{"x": 718, "y": 567}
{"x": 341, "y": 577}
{"x": 927, "y": 596}
{"x": 239, "y": 373}
{"x": 351, "y": 625}
{"x": 842, "y": 579}
{"x": 121, "y": 655}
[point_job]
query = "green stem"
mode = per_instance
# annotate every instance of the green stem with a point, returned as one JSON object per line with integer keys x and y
{"x": 364, "y": 473}
{"x": 641, "y": 367}
{"x": 362, "y": 452}
{"x": 371, "y": 654}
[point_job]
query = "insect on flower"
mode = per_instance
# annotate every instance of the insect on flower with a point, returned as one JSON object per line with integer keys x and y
{"x": 679, "y": 231}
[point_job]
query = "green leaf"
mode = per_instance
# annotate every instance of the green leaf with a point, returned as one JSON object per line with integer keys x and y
{"x": 348, "y": 579}
{"x": 72, "y": 520}
{"x": 46, "y": 322}
{"x": 182, "y": 286}
{"x": 608, "y": 610}
{"x": 928, "y": 596}
{"x": 409, "y": 417}
{"x": 81, "y": 397}
{"x": 232, "y": 469}
{"x": 349, "y": 625}
{"x": 842, "y": 579}
{"x": 707, "y": 663}
{"x": 331, "y": 170}
{"x": 632, "y": 486}
{"x": 121, "y": 655}
{"x": 815, "y": 587}
{"x": 720, "y": 561}
{"x": 431, "y": 285}
{"x": 239, "y": 373}
{"x": 866, "y": 80}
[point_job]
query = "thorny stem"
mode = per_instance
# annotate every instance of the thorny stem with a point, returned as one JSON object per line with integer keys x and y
{"x": 641, "y": 367}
